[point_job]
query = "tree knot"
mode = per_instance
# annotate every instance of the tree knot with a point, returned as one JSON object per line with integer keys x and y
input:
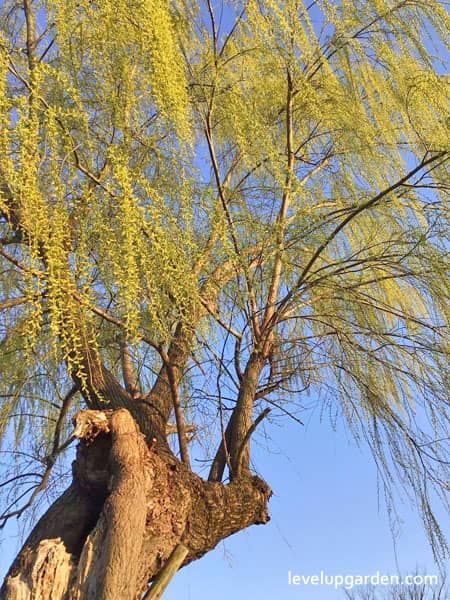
{"x": 262, "y": 486}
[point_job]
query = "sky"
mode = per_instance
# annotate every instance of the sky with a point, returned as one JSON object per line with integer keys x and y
{"x": 327, "y": 516}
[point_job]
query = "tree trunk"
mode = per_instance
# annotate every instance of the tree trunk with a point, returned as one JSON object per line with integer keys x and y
{"x": 128, "y": 507}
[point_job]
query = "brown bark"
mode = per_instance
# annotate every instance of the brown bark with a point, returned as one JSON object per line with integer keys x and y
{"x": 111, "y": 553}
{"x": 238, "y": 426}
{"x": 128, "y": 507}
{"x": 114, "y": 482}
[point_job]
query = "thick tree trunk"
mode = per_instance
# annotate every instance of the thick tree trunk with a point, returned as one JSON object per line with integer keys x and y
{"x": 128, "y": 507}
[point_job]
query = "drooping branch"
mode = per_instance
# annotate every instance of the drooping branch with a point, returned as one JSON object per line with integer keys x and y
{"x": 353, "y": 214}
{"x": 50, "y": 460}
{"x": 97, "y": 384}
{"x": 346, "y": 38}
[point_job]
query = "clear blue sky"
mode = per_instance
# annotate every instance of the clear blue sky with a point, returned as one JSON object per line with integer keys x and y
{"x": 327, "y": 515}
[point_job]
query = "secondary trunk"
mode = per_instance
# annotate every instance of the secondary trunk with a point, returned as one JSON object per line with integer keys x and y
{"x": 129, "y": 506}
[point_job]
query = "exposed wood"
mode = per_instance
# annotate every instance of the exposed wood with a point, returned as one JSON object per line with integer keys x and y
{"x": 128, "y": 508}
{"x": 51, "y": 574}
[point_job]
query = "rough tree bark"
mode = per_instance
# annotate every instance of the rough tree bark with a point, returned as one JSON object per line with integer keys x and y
{"x": 129, "y": 505}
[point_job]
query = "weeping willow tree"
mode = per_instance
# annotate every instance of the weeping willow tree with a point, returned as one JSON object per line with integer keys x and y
{"x": 208, "y": 211}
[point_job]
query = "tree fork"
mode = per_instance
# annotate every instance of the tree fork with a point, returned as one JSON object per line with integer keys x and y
{"x": 129, "y": 506}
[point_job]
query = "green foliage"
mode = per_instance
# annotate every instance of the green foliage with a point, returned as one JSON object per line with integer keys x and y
{"x": 276, "y": 181}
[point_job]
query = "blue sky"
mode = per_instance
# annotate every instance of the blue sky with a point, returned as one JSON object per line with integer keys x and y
{"x": 326, "y": 516}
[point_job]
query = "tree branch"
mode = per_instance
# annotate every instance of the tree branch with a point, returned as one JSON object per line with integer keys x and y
{"x": 181, "y": 427}
{"x": 358, "y": 210}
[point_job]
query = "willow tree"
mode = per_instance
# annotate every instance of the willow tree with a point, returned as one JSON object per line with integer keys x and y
{"x": 209, "y": 210}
